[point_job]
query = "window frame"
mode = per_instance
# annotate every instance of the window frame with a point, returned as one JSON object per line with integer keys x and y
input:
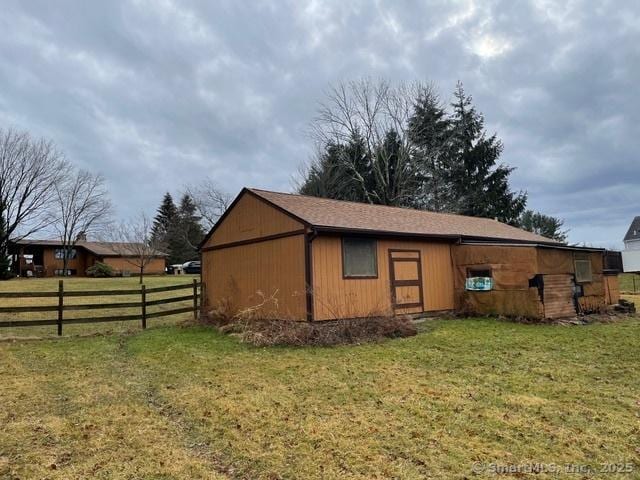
{"x": 375, "y": 258}
{"x": 58, "y": 254}
{"x": 575, "y": 268}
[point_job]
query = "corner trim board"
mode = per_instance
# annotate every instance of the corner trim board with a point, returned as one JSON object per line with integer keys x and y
{"x": 250, "y": 241}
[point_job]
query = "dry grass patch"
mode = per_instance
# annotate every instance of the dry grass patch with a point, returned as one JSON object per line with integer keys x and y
{"x": 193, "y": 403}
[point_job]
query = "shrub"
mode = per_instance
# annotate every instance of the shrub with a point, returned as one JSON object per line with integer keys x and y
{"x": 322, "y": 333}
{"x": 5, "y": 273}
{"x": 100, "y": 270}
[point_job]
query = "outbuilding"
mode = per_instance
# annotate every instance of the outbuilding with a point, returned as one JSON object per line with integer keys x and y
{"x": 305, "y": 258}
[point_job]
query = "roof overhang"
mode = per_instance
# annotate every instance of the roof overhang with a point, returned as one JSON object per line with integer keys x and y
{"x": 533, "y": 244}
{"x": 466, "y": 239}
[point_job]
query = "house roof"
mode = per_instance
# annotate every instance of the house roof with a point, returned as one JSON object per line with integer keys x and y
{"x": 341, "y": 216}
{"x": 634, "y": 230}
{"x": 101, "y": 249}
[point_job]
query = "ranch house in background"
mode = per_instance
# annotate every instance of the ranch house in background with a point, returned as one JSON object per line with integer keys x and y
{"x": 307, "y": 258}
{"x": 43, "y": 258}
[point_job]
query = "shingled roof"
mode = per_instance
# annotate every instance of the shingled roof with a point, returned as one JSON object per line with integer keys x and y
{"x": 634, "y": 230}
{"x": 326, "y": 214}
{"x": 101, "y": 249}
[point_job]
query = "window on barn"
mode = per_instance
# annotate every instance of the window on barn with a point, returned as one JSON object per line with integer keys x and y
{"x": 478, "y": 272}
{"x": 359, "y": 258}
{"x": 583, "y": 268}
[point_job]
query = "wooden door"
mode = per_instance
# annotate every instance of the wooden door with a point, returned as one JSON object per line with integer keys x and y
{"x": 405, "y": 274}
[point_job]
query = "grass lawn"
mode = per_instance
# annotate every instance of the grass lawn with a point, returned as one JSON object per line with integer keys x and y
{"x": 626, "y": 282}
{"x": 84, "y": 284}
{"x": 187, "y": 402}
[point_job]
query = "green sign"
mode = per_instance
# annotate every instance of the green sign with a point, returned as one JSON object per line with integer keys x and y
{"x": 480, "y": 284}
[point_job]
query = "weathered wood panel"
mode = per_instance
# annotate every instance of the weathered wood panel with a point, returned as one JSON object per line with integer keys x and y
{"x": 558, "y": 296}
{"x": 337, "y": 297}
{"x": 252, "y": 218}
{"x": 612, "y": 288}
{"x": 242, "y": 277}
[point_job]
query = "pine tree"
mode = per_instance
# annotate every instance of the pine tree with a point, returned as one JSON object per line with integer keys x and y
{"x": 343, "y": 172}
{"x": 166, "y": 216}
{"x": 429, "y": 130}
{"x": 545, "y": 225}
{"x": 164, "y": 227}
{"x": 477, "y": 185}
{"x": 191, "y": 229}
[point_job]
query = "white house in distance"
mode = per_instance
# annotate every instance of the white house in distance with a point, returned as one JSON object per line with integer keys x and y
{"x": 631, "y": 252}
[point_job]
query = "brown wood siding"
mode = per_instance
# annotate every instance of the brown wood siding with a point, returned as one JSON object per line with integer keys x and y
{"x": 558, "y": 296}
{"x": 242, "y": 276}
{"x": 120, "y": 264}
{"x": 612, "y": 289}
{"x": 51, "y": 263}
{"x": 337, "y": 297}
{"x": 252, "y": 218}
{"x": 511, "y": 269}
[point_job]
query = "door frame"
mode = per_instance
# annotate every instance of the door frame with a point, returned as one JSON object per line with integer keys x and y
{"x": 405, "y": 283}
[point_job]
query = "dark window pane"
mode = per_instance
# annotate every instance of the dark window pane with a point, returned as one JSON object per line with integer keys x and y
{"x": 359, "y": 257}
{"x": 479, "y": 272}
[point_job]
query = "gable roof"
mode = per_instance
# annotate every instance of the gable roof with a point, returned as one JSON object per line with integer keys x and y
{"x": 634, "y": 230}
{"x": 329, "y": 215}
{"x": 101, "y": 249}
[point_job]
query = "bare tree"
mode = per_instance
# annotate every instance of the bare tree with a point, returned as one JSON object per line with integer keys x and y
{"x": 30, "y": 169}
{"x": 366, "y": 122}
{"x": 211, "y": 202}
{"x": 134, "y": 241}
{"x": 82, "y": 207}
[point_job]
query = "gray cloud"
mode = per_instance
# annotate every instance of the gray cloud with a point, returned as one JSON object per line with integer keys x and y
{"x": 155, "y": 95}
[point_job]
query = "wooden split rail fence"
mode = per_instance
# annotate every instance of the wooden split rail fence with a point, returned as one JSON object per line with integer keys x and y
{"x": 61, "y": 307}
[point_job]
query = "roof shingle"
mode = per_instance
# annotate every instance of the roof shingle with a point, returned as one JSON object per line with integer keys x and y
{"x": 342, "y": 215}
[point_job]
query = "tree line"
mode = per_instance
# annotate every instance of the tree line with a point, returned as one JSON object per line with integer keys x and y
{"x": 378, "y": 143}
{"x": 41, "y": 190}
{"x": 402, "y": 146}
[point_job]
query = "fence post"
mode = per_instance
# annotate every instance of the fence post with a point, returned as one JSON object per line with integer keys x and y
{"x": 634, "y": 283}
{"x": 195, "y": 299}
{"x": 60, "y": 306}
{"x": 203, "y": 299}
{"x": 143, "y": 292}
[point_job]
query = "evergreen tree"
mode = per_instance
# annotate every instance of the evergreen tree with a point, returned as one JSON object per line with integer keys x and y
{"x": 394, "y": 178}
{"x": 190, "y": 230}
{"x": 429, "y": 130}
{"x": 476, "y": 184}
{"x": 343, "y": 172}
{"x": 434, "y": 159}
{"x": 545, "y": 225}
{"x": 164, "y": 227}
{"x": 166, "y": 216}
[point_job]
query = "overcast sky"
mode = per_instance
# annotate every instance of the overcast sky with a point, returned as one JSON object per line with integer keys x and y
{"x": 158, "y": 94}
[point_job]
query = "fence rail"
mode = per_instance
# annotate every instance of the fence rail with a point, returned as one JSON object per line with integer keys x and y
{"x": 61, "y": 294}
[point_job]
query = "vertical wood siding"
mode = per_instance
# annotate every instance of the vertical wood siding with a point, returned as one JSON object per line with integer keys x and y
{"x": 242, "y": 276}
{"x": 51, "y": 263}
{"x": 252, "y": 218}
{"x": 337, "y": 297}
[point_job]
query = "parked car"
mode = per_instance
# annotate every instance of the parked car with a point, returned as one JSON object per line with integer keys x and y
{"x": 191, "y": 267}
